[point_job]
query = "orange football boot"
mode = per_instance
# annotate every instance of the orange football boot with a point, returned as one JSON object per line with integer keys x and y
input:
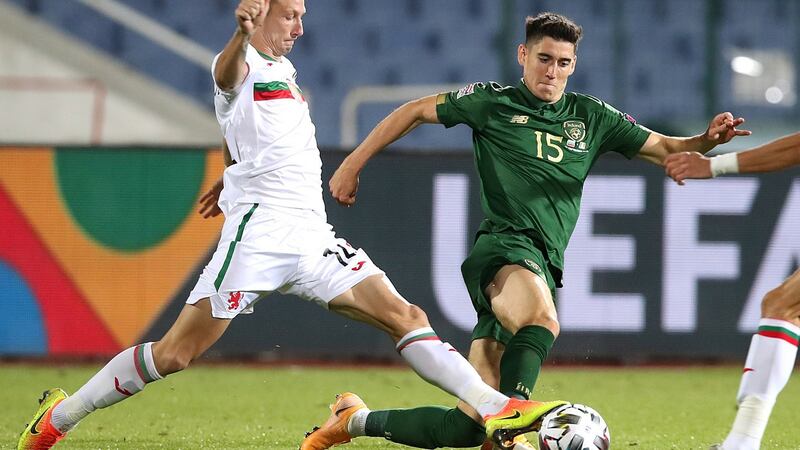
{"x": 516, "y": 418}
{"x": 334, "y": 430}
{"x": 40, "y": 434}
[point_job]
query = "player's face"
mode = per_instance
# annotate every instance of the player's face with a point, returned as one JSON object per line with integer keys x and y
{"x": 283, "y": 24}
{"x": 546, "y": 66}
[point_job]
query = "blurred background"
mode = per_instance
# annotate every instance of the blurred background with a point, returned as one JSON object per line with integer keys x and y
{"x": 107, "y": 139}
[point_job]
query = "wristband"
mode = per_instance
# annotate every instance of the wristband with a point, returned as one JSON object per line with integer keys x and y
{"x": 722, "y": 164}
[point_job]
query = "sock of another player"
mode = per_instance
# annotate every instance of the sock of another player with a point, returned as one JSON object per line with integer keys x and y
{"x": 422, "y": 427}
{"x": 125, "y": 375}
{"x": 769, "y": 365}
{"x": 440, "y": 364}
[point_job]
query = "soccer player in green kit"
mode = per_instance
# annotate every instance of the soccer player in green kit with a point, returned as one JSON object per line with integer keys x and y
{"x": 534, "y": 146}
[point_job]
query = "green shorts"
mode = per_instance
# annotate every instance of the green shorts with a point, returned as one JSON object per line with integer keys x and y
{"x": 491, "y": 252}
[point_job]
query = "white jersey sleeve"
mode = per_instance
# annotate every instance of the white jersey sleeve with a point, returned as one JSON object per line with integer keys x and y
{"x": 224, "y": 101}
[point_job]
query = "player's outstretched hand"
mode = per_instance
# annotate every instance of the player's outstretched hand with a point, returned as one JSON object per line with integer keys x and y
{"x": 344, "y": 185}
{"x": 685, "y": 165}
{"x": 250, "y": 15}
{"x": 208, "y": 201}
{"x": 722, "y": 128}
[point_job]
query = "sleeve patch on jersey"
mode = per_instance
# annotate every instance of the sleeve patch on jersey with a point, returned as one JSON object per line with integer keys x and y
{"x": 467, "y": 90}
{"x": 629, "y": 118}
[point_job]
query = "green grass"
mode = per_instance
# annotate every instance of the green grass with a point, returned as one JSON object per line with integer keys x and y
{"x": 213, "y": 407}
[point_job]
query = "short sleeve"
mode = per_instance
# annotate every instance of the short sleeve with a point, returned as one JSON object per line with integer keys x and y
{"x": 468, "y": 105}
{"x": 227, "y": 97}
{"x": 621, "y": 132}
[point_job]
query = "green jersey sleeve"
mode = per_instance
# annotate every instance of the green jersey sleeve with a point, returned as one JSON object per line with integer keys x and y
{"x": 469, "y": 105}
{"x": 622, "y": 134}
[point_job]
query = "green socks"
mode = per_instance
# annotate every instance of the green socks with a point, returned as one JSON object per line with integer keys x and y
{"x": 437, "y": 426}
{"x": 426, "y": 427}
{"x": 522, "y": 359}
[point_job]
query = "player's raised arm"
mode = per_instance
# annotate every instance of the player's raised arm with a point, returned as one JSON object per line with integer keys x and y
{"x": 344, "y": 182}
{"x": 721, "y": 129}
{"x": 776, "y": 155}
{"x": 231, "y": 68}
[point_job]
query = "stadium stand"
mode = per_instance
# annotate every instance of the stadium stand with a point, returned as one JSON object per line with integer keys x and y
{"x": 656, "y": 73}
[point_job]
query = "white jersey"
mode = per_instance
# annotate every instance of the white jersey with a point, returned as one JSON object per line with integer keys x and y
{"x": 268, "y": 129}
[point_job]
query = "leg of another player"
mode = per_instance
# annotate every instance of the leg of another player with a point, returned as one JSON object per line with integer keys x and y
{"x": 438, "y": 363}
{"x": 375, "y": 301}
{"x": 523, "y": 304}
{"x": 194, "y": 331}
{"x": 769, "y": 364}
{"x": 437, "y": 426}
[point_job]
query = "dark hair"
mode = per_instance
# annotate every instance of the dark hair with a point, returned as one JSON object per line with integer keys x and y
{"x": 556, "y": 26}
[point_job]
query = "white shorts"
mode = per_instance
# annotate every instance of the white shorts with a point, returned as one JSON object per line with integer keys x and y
{"x": 266, "y": 249}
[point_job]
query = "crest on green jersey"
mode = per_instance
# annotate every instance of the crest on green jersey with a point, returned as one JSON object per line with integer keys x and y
{"x": 575, "y": 130}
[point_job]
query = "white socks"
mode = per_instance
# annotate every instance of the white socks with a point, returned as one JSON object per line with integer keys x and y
{"x": 749, "y": 425}
{"x": 357, "y": 425}
{"x": 769, "y": 365}
{"x": 126, "y": 374}
{"x": 440, "y": 364}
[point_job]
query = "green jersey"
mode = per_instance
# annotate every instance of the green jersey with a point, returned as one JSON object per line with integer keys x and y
{"x": 533, "y": 157}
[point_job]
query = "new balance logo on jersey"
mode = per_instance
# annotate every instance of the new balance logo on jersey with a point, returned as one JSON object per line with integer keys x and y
{"x": 233, "y": 301}
{"x": 519, "y": 119}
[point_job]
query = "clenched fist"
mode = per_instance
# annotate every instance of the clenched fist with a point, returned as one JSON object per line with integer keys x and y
{"x": 682, "y": 166}
{"x": 250, "y": 14}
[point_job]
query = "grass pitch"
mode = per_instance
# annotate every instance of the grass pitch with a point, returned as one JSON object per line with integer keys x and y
{"x": 238, "y": 407}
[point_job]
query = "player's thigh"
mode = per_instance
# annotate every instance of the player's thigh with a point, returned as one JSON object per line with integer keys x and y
{"x": 343, "y": 278}
{"x": 375, "y": 301}
{"x": 783, "y": 302}
{"x": 193, "y": 332}
{"x": 484, "y": 355}
{"x": 520, "y": 297}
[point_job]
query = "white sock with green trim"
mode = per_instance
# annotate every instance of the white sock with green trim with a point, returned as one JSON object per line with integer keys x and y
{"x": 125, "y": 375}
{"x": 443, "y": 366}
{"x": 769, "y": 365}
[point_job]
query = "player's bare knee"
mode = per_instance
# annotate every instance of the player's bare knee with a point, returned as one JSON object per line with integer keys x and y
{"x": 409, "y": 318}
{"x": 551, "y": 323}
{"x": 776, "y": 305}
{"x": 546, "y": 319}
{"x": 415, "y": 318}
{"x": 170, "y": 359}
{"x": 180, "y": 361}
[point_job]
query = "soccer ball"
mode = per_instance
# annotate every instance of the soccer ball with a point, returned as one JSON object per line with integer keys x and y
{"x": 574, "y": 427}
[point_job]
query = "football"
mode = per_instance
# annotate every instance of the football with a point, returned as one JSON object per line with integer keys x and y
{"x": 574, "y": 427}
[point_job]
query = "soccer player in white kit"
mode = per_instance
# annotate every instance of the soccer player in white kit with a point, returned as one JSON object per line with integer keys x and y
{"x": 276, "y": 238}
{"x": 773, "y": 348}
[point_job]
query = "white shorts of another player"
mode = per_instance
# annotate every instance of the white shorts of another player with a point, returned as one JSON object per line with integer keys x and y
{"x": 266, "y": 249}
